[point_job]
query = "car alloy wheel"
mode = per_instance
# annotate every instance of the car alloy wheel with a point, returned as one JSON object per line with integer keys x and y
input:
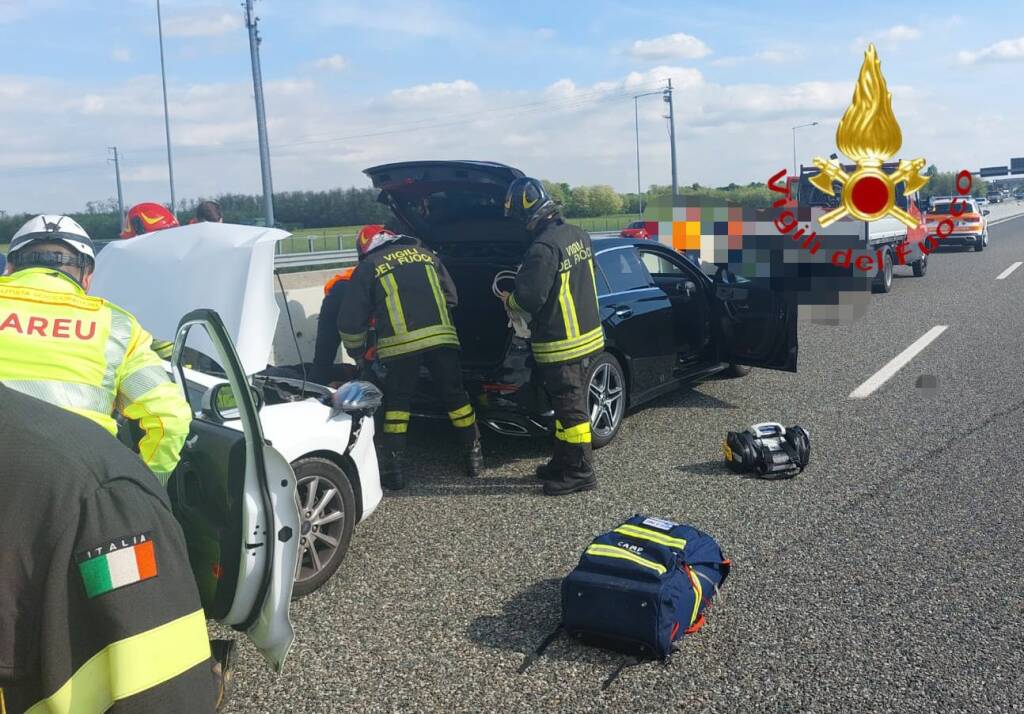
{"x": 327, "y": 510}
{"x": 606, "y": 399}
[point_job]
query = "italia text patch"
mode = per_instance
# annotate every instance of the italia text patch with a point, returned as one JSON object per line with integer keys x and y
{"x": 121, "y": 561}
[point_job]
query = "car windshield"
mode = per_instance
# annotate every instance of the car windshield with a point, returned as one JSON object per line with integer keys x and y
{"x": 944, "y": 208}
{"x": 636, "y": 224}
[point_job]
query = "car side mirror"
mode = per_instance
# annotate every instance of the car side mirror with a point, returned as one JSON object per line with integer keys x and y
{"x": 985, "y": 212}
{"x": 686, "y": 287}
{"x": 221, "y": 405}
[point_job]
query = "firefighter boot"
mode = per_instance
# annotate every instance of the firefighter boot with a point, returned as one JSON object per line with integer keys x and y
{"x": 571, "y": 482}
{"x": 391, "y": 475}
{"x": 474, "y": 460}
{"x": 222, "y": 653}
{"x": 549, "y": 471}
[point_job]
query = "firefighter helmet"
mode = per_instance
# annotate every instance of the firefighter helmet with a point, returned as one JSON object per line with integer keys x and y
{"x": 528, "y": 202}
{"x": 146, "y": 218}
{"x": 372, "y": 237}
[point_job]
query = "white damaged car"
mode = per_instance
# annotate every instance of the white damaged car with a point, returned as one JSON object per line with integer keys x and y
{"x": 228, "y": 270}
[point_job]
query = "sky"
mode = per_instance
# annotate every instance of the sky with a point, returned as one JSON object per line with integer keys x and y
{"x": 546, "y": 87}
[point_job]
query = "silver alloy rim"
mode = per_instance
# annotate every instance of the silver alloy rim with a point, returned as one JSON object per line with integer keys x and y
{"x": 606, "y": 400}
{"x": 323, "y": 519}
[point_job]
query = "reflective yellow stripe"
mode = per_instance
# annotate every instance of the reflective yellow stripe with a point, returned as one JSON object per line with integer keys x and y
{"x": 633, "y": 531}
{"x": 142, "y": 381}
{"x": 515, "y": 305}
{"x": 394, "y": 304}
{"x": 463, "y": 422}
{"x": 130, "y": 666}
{"x": 353, "y": 339}
{"x": 461, "y": 412}
{"x": 579, "y": 434}
{"x": 566, "y": 350}
{"x": 435, "y": 285}
{"x": 572, "y": 327}
{"x": 698, "y": 592}
{"x": 610, "y": 551}
{"x": 70, "y": 395}
{"x": 397, "y": 416}
{"x": 396, "y": 427}
{"x": 416, "y": 340}
{"x": 593, "y": 278}
{"x": 116, "y": 348}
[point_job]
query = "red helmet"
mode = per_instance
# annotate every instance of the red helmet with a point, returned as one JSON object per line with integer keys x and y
{"x": 373, "y": 236}
{"x": 146, "y": 218}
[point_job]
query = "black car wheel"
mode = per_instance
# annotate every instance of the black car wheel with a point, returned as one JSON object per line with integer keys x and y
{"x": 883, "y": 283}
{"x": 979, "y": 244}
{"x": 920, "y": 266}
{"x": 327, "y": 507}
{"x": 736, "y": 370}
{"x": 606, "y": 397}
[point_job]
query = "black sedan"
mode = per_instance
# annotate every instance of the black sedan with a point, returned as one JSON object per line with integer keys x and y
{"x": 666, "y": 322}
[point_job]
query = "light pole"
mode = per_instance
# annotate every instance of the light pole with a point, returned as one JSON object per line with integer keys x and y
{"x": 672, "y": 136}
{"x": 167, "y": 118}
{"x": 261, "y": 116}
{"x": 636, "y": 123}
{"x": 800, "y": 126}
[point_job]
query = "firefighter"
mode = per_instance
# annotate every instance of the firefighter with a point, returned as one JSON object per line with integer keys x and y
{"x": 81, "y": 352}
{"x": 327, "y": 338}
{"x": 148, "y": 218}
{"x": 403, "y": 287}
{"x": 555, "y": 287}
{"x": 98, "y": 604}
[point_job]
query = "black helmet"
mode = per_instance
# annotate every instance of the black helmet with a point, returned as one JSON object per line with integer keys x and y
{"x": 528, "y": 202}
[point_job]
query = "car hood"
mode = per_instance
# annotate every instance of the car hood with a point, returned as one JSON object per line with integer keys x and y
{"x": 160, "y": 277}
{"x": 467, "y": 193}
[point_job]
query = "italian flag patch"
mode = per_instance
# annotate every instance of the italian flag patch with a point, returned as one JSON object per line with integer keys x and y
{"x": 121, "y": 561}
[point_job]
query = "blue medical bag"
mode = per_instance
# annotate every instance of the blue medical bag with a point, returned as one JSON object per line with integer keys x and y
{"x": 642, "y": 586}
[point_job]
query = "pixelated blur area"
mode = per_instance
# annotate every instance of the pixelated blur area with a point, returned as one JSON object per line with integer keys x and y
{"x": 748, "y": 243}
{"x": 927, "y": 384}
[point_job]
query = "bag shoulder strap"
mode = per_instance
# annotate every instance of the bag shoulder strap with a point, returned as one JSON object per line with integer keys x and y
{"x": 545, "y": 643}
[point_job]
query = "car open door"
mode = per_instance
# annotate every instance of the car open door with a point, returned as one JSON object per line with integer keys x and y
{"x": 754, "y": 325}
{"x": 234, "y": 496}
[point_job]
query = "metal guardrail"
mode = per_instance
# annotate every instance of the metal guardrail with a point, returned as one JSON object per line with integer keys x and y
{"x": 309, "y": 260}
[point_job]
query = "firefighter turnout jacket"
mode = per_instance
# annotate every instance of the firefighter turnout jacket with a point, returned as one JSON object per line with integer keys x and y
{"x": 406, "y": 290}
{"x": 98, "y": 603}
{"x": 89, "y": 356}
{"x": 556, "y": 287}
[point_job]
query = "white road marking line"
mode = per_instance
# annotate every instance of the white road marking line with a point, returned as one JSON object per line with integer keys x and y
{"x": 898, "y": 362}
{"x": 1006, "y": 273}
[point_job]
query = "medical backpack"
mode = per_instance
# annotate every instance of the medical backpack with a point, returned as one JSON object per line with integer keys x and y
{"x": 642, "y": 586}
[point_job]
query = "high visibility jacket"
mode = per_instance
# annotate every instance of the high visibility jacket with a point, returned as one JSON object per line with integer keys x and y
{"x": 98, "y": 602}
{"x": 89, "y": 356}
{"x": 556, "y": 287}
{"x": 406, "y": 290}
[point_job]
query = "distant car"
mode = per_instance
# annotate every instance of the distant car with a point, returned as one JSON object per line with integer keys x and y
{"x": 636, "y": 229}
{"x": 995, "y": 197}
{"x": 981, "y": 200}
{"x": 970, "y": 229}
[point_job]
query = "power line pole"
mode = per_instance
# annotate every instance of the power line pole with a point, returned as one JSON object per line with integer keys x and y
{"x": 167, "y": 117}
{"x": 672, "y": 136}
{"x": 117, "y": 174}
{"x": 261, "y": 117}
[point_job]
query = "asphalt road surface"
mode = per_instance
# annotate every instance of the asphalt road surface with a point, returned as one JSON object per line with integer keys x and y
{"x": 888, "y": 576}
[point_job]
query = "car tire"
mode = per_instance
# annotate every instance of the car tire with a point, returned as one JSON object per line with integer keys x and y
{"x": 883, "y": 282}
{"x": 920, "y": 266}
{"x": 734, "y": 371}
{"x": 606, "y": 399}
{"x": 979, "y": 245}
{"x": 324, "y": 492}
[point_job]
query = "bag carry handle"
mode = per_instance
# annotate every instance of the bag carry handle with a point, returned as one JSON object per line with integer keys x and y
{"x": 545, "y": 643}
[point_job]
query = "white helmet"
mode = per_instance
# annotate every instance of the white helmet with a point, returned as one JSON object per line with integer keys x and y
{"x": 49, "y": 227}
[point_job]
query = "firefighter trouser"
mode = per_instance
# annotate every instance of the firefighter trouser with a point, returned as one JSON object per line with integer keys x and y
{"x": 400, "y": 386}
{"x": 566, "y": 386}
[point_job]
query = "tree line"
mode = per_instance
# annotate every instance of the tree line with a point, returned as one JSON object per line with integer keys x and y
{"x": 355, "y": 206}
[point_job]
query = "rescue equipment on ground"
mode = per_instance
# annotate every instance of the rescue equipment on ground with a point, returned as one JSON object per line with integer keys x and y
{"x": 517, "y": 319}
{"x": 639, "y": 588}
{"x": 769, "y": 450}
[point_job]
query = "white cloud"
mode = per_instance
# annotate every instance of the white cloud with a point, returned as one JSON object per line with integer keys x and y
{"x": 1002, "y": 51}
{"x": 203, "y": 24}
{"x": 899, "y": 33}
{"x": 423, "y": 93}
{"x": 332, "y": 63}
{"x": 120, "y": 54}
{"x": 675, "y": 46}
{"x": 544, "y": 33}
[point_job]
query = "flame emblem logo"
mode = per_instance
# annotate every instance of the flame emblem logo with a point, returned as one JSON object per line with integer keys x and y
{"x": 869, "y": 134}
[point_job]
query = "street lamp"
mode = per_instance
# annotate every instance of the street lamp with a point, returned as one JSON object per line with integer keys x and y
{"x": 800, "y": 126}
{"x": 636, "y": 122}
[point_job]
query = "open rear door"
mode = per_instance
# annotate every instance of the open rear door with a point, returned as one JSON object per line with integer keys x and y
{"x": 754, "y": 325}
{"x": 235, "y": 498}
